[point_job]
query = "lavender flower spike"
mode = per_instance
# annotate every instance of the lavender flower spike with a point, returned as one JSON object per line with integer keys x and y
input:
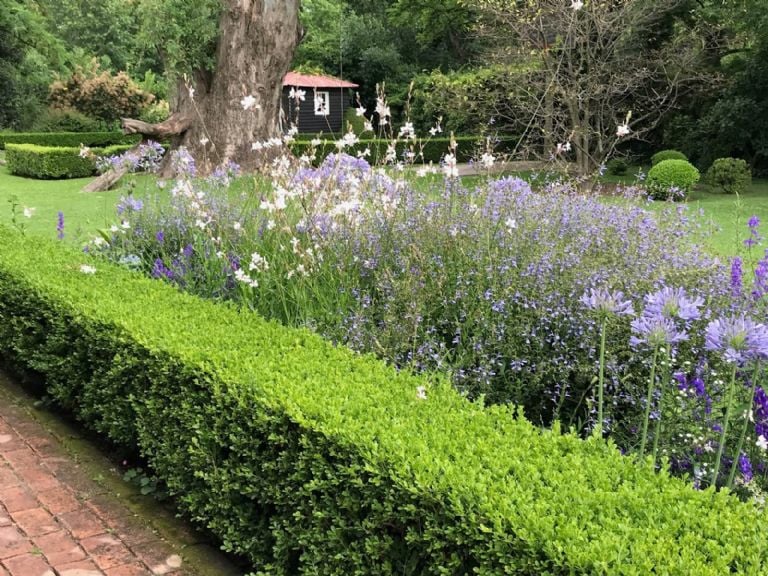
{"x": 606, "y": 302}
{"x": 673, "y": 303}
{"x": 738, "y": 338}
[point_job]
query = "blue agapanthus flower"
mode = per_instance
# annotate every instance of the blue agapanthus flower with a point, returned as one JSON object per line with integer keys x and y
{"x": 607, "y": 302}
{"x": 673, "y": 303}
{"x": 738, "y": 338}
{"x": 654, "y": 331}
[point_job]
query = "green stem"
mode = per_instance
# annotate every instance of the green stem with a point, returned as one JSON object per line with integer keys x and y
{"x": 728, "y": 409}
{"x": 664, "y": 381}
{"x": 649, "y": 398}
{"x": 601, "y": 380}
{"x": 744, "y": 427}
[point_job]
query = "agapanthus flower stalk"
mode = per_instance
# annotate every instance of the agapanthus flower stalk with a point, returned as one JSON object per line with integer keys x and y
{"x": 745, "y": 425}
{"x": 724, "y": 427}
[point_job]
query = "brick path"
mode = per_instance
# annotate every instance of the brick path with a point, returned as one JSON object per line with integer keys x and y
{"x": 57, "y": 521}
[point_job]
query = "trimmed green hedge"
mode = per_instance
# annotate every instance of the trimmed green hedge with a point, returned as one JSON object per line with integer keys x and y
{"x": 49, "y": 163}
{"x": 68, "y": 139}
{"x": 426, "y": 151}
{"x": 310, "y": 459}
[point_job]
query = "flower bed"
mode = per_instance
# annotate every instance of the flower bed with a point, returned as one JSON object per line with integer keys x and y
{"x": 306, "y": 457}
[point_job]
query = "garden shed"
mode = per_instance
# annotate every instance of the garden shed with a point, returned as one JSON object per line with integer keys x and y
{"x": 317, "y": 103}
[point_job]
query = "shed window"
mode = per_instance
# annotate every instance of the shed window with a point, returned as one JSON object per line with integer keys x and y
{"x": 322, "y": 103}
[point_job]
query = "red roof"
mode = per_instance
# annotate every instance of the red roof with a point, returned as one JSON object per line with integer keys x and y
{"x": 315, "y": 81}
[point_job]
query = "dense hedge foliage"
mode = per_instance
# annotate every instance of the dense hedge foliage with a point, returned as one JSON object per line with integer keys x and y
{"x": 431, "y": 150}
{"x": 55, "y": 162}
{"x": 667, "y": 155}
{"x": 68, "y": 139}
{"x": 731, "y": 175}
{"x": 672, "y": 179}
{"x": 308, "y": 458}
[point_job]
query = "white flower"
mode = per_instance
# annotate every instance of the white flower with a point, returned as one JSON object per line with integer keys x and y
{"x": 84, "y": 151}
{"x": 29, "y": 212}
{"x": 114, "y": 228}
{"x": 511, "y": 223}
{"x": 436, "y": 129}
{"x": 450, "y": 169}
{"x": 622, "y": 130}
{"x": 204, "y": 141}
{"x": 360, "y": 110}
{"x": 86, "y": 269}
{"x": 256, "y": 146}
{"x": 191, "y": 93}
{"x": 367, "y": 126}
{"x": 98, "y": 241}
{"x": 382, "y": 109}
{"x": 421, "y": 393}
{"x": 364, "y": 153}
{"x": 237, "y": 226}
{"x": 563, "y": 147}
{"x": 577, "y": 4}
{"x": 125, "y": 225}
{"x": 258, "y": 263}
{"x": 241, "y": 276}
{"x": 249, "y": 102}
{"x": 762, "y": 442}
{"x": 487, "y": 161}
{"x": 315, "y": 142}
{"x": 297, "y": 94}
{"x": 350, "y": 139}
{"x": 407, "y": 131}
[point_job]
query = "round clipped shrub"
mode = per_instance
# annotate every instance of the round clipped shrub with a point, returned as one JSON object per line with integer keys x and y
{"x": 672, "y": 179}
{"x": 617, "y": 166}
{"x": 667, "y": 155}
{"x": 731, "y": 175}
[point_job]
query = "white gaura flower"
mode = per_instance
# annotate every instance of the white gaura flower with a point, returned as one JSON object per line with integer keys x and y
{"x": 762, "y": 442}
{"x": 249, "y": 102}
{"x": 204, "y": 141}
{"x": 29, "y": 212}
{"x": 367, "y": 126}
{"x": 577, "y": 4}
{"x": 450, "y": 169}
{"x": 296, "y": 94}
{"x": 360, "y": 110}
{"x": 622, "y": 130}
{"x": 511, "y": 223}
{"x": 85, "y": 152}
{"x": 487, "y": 161}
{"x": 421, "y": 393}
{"x": 315, "y": 142}
{"x": 191, "y": 93}
{"x": 435, "y": 130}
{"x": 407, "y": 131}
{"x": 563, "y": 147}
{"x": 86, "y": 269}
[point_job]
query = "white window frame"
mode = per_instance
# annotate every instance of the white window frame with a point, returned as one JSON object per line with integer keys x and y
{"x": 323, "y": 97}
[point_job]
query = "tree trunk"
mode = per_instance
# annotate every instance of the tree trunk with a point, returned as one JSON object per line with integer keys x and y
{"x": 257, "y": 39}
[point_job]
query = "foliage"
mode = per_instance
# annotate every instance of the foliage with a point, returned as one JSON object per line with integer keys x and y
{"x": 270, "y": 437}
{"x": 99, "y": 94}
{"x": 66, "y": 120}
{"x": 731, "y": 175}
{"x": 183, "y": 32}
{"x": 672, "y": 179}
{"x": 35, "y": 161}
{"x": 68, "y": 139}
{"x": 617, "y": 166}
{"x": 667, "y": 155}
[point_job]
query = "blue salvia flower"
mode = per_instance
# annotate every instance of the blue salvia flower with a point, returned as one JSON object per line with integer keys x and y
{"x": 60, "y": 226}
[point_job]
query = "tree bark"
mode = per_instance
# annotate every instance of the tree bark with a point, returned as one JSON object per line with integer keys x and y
{"x": 257, "y": 39}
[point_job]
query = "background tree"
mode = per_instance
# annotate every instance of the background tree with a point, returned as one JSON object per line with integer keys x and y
{"x": 588, "y": 64}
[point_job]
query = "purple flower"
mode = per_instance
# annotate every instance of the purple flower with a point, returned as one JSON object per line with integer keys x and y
{"x": 60, "y": 226}
{"x": 160, "y": 237}
{"x": 655, "y": 331}
{"x": 736, "y": 276}
{"x": 129, "y": 204}
{"x": 754, "y": 222}
{"x": 160, "y": 270}
{"x": 745, "y": 467}
{"x": 739, "y": 339}
{"x": 673, "y": 303}
{"x": 606, "y": 302}
{"x": 761, "y": 413}
{"x": 754, "y": 235}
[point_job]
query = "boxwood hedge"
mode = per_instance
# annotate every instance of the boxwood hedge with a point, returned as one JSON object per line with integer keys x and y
{"x": 68, "y": 139}
{"x": 309, "y": 459}
{"x": 431, "y": 150}
{"x": 47, "y": 163}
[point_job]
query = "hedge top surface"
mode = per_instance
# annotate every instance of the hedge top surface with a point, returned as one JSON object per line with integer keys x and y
{"x": 525, "y": 490}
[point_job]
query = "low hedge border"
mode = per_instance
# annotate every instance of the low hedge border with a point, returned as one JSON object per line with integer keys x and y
{"x": 49, "y": 163}
{"x": 307, "y": 458}
{"x": 68, "y": 139}
{"x": 431, "y": 150}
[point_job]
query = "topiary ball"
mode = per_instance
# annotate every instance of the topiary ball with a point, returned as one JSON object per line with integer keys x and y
{"x": 667, "y": 155}
{"x": 731, "y": 175}
{"x": 671, "y": 179}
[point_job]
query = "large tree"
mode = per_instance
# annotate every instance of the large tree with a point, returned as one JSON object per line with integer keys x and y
{"x": 228, "y": 58}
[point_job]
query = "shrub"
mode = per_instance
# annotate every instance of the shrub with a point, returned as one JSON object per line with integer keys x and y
{"x": 667, "y": 155}
{"x": 54, "y": 162}
{"x": 99, "y": 94}
{"x": 66, "y": 120}
{"x": 68, "y": 139}
{"x": 617, "y": 166}
{"x": 307, "y": 458}
{"x": 672, "y": 179}
{"x": 731, "y": 175}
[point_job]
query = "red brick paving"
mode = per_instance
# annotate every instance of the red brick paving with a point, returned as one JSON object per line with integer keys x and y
{"x": 56, "y": 521}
